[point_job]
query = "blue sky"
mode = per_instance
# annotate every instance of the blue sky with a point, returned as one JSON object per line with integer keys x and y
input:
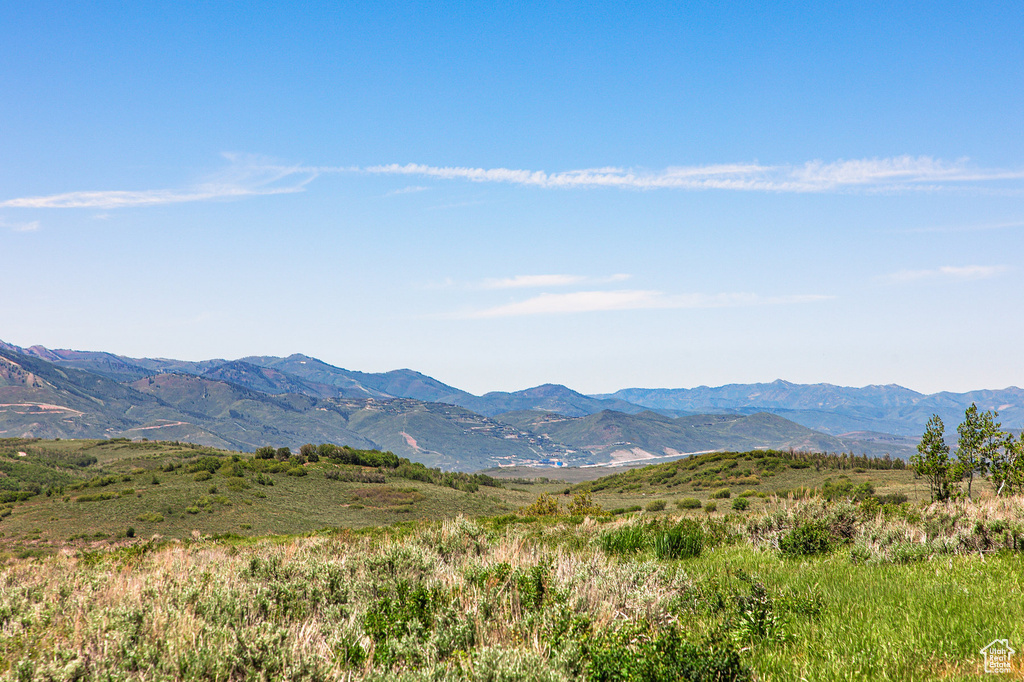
{"x": 500, "y": 196}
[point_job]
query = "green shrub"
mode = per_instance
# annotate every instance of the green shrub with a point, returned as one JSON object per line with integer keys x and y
{"x": 810, "y": 537}
{"x": 297, "y": 471}
{"x": 625, "y": 540}
{"x": 639, "y": 653}
{"x": 688, "y": 503}
{"x": 544, "y": 505}
{"x": 130, "y": 533}
{"x": 150, "y": 517}
{"x": 655, "y": 506}
{"x": 203, "y": 476}
{"x": 583, "y": 505}
{"x": 192, "y": 510}
{"x": 710, "y": 507}
{"x": 684, "y": 540}
{"x": 740, "y": 504}
{"x": 721, "y": 494}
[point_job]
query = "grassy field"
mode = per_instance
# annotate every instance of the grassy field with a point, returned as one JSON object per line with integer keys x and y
{"x": 151, "y": 488}
{"x": 614, "y": 579}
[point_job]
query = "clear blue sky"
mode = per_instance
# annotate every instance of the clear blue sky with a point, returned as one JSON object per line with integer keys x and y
{"x": 597, "y": 194}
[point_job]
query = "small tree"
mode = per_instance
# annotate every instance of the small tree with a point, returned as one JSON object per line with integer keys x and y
{"x": 979, "y": 442}
{"x": 1008, "y": 466}
{"x": 932, "y": 459}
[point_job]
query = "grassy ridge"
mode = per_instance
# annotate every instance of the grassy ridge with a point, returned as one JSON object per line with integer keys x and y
{"x": 88, "y": 492}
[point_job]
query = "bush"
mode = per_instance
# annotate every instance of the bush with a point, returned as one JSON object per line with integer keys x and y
{"x": 808, "y": 538}
{"x": 583, "y": 505}
{"x": 721, "y": 494}
{"x": 710, "y": 507}
{"x": 544, "y": 505}
{"x": 130, "y": 533}
{"x": 740, "y": 504}
{"x": 625, "y": 540}
{"x": 655, "y": 506}
{"x": 685, "y": 540}
{"x": 688, "y": 503}
{"x": 266, "y": 452}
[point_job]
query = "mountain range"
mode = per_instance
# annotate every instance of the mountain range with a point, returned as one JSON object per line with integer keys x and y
{"x": 262, "y": 400}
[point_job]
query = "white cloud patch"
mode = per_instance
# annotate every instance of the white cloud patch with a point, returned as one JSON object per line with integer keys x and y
{"x": 890, "y": 174}
{"x": 597, "y": 301}
{"x": 947, "y": 272}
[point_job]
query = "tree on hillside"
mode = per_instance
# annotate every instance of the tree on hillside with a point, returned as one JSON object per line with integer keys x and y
{"x": 1008, "y": 466}
{"x": 932, "y": 459}
{"x": 979, "y": 443}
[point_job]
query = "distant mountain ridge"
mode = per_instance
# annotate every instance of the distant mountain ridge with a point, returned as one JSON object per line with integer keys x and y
{"x": 270, "y": 393}
{"x": 288, "y": 401}
{"x": 835, "y": 409}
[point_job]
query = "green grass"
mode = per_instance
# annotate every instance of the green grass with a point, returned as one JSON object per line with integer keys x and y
{"x": 255, "y": 573}
{"x": 548, "y": 599}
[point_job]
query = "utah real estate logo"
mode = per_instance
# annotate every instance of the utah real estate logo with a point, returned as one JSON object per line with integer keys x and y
{"x": 998, "y": 656}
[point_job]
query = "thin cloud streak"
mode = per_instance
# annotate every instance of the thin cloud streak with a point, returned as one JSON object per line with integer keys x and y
{"x": 892, "y": 174}
{"x": 947, "y": 272}
{"x": 527, "y": 281}
{"x": 601, "y": 301}
{"x": 20, "y": 227}
{"x": 534, "y": 281}
{"x": 250, "y": 175}
{"x": 246, "y": 176}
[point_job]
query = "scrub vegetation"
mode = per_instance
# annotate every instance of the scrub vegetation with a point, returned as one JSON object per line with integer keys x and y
{"x": 840, "y": 577}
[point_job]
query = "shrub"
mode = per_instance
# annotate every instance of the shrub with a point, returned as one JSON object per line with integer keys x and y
{"x": 203, "y": 476}
{"x": 130, "y": 533}
{"x": 265, "y": 452}
{"x": 150, "y": 517}
{"x": 192, "y": 510}
{"x": 583, "y": 505}
{"x": 810, "y": 537}
{"x": 655, "y": 506}
{"x": 684, "y": 540}
{"x": 721, "y": 494}
{"x": 297, "y": 471}
{"x": 740, "y": 504}
{"x": 710, "y": 507}
{"x": 688, "y": 503}
{"x": 544, "y": 505}
{"x": 625, "y": 540}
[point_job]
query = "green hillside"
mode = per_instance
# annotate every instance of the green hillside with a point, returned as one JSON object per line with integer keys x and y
{"x": 55, "y": 492}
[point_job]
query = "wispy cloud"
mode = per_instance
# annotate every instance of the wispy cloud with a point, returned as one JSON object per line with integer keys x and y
{"x": 888, "y": 174}
{"x": 596, "y": 301}
{"x": 250, "y": 175}
{"x": 948, "y": 272}
{"x": 411, "y": 189}
{"x": 537, "y": 281}
{"x": 31, "y": 226}
{"x": 245, "y": 176}
{"x": 530, "y": 281}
